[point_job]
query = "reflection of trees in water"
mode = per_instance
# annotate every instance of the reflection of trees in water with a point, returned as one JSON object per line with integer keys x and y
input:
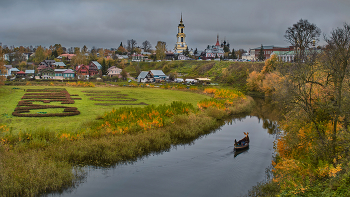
{"x": 269, "y": 113}
{"x": 271, "y": 126}
{"x": 265, "y": 111}
{"x": 235, "y": 118}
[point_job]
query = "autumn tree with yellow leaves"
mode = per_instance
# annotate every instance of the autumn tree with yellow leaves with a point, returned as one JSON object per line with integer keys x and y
{"x": 314, "y": 94}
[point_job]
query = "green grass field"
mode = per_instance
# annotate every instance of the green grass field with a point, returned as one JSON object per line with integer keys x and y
{"x": 10, "y": 97}
{"x": 58, "y": 145}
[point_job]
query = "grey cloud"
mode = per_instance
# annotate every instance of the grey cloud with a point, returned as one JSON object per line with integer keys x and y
{"x": 106, "y": 23}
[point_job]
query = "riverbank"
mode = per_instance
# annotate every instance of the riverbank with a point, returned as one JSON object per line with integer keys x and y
{"x": 40, "y": 165}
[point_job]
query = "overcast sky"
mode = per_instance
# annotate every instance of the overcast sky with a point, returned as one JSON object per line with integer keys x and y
{"x": 105, "y": 23}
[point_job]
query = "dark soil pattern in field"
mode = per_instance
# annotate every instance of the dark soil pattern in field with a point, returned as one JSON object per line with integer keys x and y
{"x": 111, "y": 98}
{"x": 46, "y": 95}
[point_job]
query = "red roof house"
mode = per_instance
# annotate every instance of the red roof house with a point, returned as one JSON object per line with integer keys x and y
{"x": 21, "y": 73}
{"x": 86, "y": 70}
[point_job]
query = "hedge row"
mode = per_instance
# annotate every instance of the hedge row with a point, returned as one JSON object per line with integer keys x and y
{"x": 47, "y": 90}
{"x": 68, "y": 111}
{"x": 125, "y": 99}
{"x": 108, "y": 95}
{"x": 52, "y": 94}
{"x": 63, "y": 101}
{"x": 46, "y": 95}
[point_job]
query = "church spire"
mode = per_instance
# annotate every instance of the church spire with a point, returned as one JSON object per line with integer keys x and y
{"x": 181, "y": 36}
{"x": 217, "y": 41}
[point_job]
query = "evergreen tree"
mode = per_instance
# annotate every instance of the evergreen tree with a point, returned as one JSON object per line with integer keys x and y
{"x": 104, "y": 67}
{"x": 234, "y": 56}
{"x": 55, "y": 54}
{"x": 261, "y": 56}
{"x": 226, "y": 49}
{"x": 186, "y": 52}
{"x": 195, "y": 51}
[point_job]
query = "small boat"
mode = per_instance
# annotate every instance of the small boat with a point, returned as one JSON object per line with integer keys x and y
{"x": 243, "y": 143}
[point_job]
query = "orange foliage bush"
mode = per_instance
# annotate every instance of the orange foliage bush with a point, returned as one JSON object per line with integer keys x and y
{"x": 254, "y": 81}
{"x": 210, "y": 90}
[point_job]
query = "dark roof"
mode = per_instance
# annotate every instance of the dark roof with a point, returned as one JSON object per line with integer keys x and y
{"x": 98, "y": 65}
{"x": 142, "y": 75}
{"x": 157, "y": 72}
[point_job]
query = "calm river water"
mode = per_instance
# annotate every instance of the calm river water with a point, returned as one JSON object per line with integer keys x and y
{"x": 206, "y": 167}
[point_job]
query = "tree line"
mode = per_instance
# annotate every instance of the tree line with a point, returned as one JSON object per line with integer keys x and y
{"x": 314, "y": 94}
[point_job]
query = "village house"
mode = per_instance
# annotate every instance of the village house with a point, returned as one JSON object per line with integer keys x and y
{"x": 151, "y": 76}
{"x": 42, "y": 67}
{"x": 14, "y": 71}
{"x": 203, "y": 80}
{"x": 30, "y": 73}
{"x": 137, "y": 57}
{"x": 51, "y": 64}
{"x": 95, "y": 64}
{"x": 68, "y": 57}
{"x": 158, "y": 75}
{"x": 68, "y": 74}
{"x": 285, "y": 56}
{"x": 86, "y": 70}
{"x": 11, "y": 56}
{"x": 247, "y": 56}
{"x": 47, "y": 73}
{"x": 169, "y": 55}
{"x": 47, "y": 63}
{"x": 60, "y": 65}
{"x": 8, "y": 70}
{"x": 182, "y": 57}
{"x": 268, "y": 50}
{"x": 20, "y": 74}
{"x": 120, "y": 57}
{"x": 59, "y": 73}
{"x": 142, "y": 78}
{"x": 114, "y": 71}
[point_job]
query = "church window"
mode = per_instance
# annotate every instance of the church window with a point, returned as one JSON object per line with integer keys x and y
{"x": 182, "y": 39}
{"x": 182, "y": 30}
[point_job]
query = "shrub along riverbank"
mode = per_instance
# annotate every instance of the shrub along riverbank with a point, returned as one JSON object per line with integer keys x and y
{"x": 42, "y": 161}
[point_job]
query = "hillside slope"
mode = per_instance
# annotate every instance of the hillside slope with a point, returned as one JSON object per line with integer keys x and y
{"x": 227, "y": 73}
